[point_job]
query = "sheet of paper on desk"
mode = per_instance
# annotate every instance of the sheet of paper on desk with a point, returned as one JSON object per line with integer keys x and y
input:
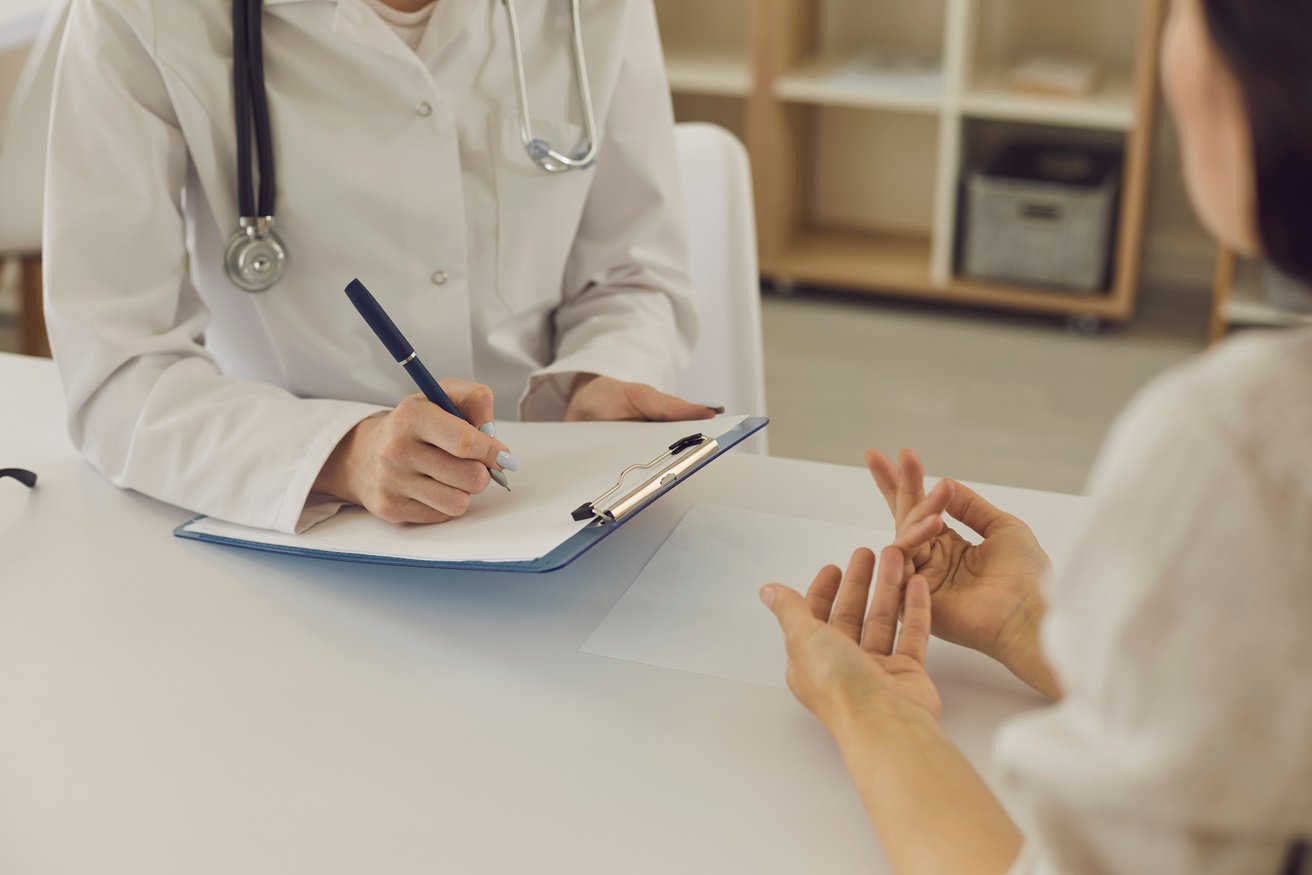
{"x": 563, "y": 466}
{"x": 695, "y": 605}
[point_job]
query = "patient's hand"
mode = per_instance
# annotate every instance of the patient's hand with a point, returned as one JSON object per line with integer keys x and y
{"x": 843, "y": 663}
{"x": 987, "y": 596}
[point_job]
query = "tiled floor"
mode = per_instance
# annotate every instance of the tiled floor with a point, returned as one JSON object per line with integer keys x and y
{"x": 986, "y": 397}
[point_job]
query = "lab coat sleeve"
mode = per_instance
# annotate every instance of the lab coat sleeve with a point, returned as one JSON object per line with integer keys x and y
{"x": 628, "y": 311}
{"x": 147, "y": 405}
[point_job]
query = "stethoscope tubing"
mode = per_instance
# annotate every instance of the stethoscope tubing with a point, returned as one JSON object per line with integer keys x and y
{"x": 254, "y": 128}
{"x": 255, "y": 258}
{"x": 540, "y": 150}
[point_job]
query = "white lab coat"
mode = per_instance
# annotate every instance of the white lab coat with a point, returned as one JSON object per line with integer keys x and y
{"x": 405, "y": 170}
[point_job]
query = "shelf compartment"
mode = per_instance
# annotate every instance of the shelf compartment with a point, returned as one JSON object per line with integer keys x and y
{"x": 836, "y": 81}
{"x": 848, "y": 26}
{"x": 872, "y": 172}
{"x": 1111, "y": 107}
{"x": 709, "y": 72}
{"x": 1007, "y": 32}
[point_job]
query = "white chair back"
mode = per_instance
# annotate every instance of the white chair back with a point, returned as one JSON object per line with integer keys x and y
{"x": 24, "y": 138}
{"x": 728, "y": 365}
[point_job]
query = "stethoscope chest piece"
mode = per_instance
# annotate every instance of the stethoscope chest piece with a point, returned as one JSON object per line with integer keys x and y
{"x": 256, "y": 258}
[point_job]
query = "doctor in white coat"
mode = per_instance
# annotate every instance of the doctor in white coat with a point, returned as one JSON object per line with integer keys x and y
{"x": 399, "y": 161}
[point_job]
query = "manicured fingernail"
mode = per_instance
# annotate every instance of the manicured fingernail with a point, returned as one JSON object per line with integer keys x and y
{"x": 767, "y": 596}
{"x": 489, "y": 429}
{"x": 507, "y": 461}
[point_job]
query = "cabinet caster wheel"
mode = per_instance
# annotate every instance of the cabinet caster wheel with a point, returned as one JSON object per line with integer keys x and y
{"x": 1084, "y": 325}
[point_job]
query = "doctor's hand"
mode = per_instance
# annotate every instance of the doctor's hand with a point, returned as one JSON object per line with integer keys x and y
{"x": 843, "y": 661}
{"x": 418, "y": 463}
{"x": 596, "y": 398}
{"x": 987, "y": 597}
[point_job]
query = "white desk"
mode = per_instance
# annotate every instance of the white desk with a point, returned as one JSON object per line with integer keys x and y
{"x": 20, "y": 20}
{"x": 175, "y": 707}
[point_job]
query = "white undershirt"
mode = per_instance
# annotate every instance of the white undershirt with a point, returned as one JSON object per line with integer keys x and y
{"x": 409, "y": 26}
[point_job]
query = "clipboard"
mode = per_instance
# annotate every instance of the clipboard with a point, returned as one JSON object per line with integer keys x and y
{"x": 609, "y": 512}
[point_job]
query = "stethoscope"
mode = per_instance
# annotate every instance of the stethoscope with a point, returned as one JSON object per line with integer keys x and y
{"x": 256, "y": 257}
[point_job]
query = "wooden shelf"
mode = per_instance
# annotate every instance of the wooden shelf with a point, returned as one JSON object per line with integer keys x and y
{"x": 898, "y": 266}
{"x": 708, "y": 72}
{"x": 828, "y": 81}
{"x": 1111, "y": 107}
{"x": 839, "y": 143}
{"x": 858, "y": 260}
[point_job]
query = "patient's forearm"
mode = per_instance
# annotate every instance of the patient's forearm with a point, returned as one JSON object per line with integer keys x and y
{"x": 932, "y": 811}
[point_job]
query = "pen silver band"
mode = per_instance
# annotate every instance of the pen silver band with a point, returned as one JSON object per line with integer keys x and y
{"x": 409, "y": 359}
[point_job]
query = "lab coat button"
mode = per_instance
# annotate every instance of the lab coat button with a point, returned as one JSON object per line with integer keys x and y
{"x": 440, "y": 277}
{"x": 424, "y": 110}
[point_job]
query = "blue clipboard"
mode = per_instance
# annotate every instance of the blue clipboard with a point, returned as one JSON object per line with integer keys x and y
{"x": 596, "y": 532}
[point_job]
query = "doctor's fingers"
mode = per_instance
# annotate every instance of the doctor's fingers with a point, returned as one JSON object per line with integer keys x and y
{"x": 467, "y": 475}
{"x": 400, "y": 510}
{"x": 433, "y": 425}
{"x": 441, "y": 497}
{"x": 654, "y": 405}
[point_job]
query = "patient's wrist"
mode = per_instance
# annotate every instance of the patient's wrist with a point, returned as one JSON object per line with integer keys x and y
{"x": 859, "y": 720}
{"x": 1019, "y": 649}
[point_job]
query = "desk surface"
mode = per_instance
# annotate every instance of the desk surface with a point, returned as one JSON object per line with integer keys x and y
{"x": 173, "y": 707}
{"x": 20, "y": 20}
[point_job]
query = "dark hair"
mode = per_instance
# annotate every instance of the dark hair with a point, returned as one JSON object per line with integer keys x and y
{"x": 1267, "y": 45}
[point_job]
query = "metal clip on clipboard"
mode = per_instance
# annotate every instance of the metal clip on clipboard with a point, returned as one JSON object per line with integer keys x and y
{"x": 687, "y": 454}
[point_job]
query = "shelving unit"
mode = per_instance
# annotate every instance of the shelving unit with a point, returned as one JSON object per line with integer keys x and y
{"x": 858, "y": 168}
{"x": 1238, "y": 300}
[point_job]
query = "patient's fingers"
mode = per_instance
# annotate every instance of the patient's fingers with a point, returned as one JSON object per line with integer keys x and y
{"x": 881, "y": 624}
{"x": 925, "y": 521}
{"x": 850, "y": 606}
{"x": 885, "y": 474}
{"x": 910, "y": 483}
{"x": 916, "y": 619}
{"x": 823, "y": 590}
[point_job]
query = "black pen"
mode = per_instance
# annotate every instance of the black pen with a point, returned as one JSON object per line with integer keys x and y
{"x": 401, "y": 350}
